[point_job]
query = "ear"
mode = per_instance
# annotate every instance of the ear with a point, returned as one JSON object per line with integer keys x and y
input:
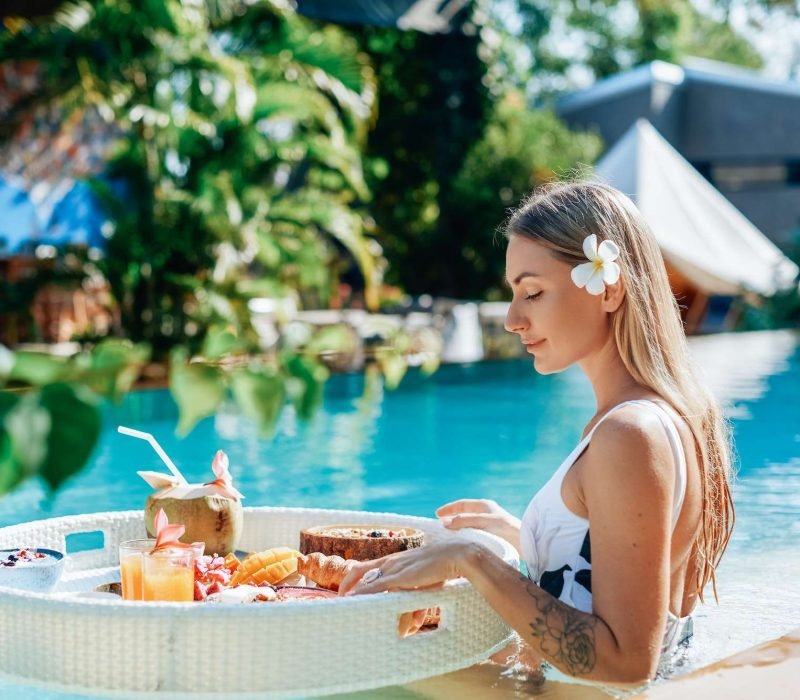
{"x": 613, "y": 296}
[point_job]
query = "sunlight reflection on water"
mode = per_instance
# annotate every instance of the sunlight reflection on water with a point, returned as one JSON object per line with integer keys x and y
{"x": 496, "y": 430}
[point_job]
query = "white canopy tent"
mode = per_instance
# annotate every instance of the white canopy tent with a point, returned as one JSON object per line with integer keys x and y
{"x": 701, "y": 234}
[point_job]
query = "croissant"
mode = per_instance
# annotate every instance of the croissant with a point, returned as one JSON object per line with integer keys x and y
{"x": 327, "y": 572}
{"x": 270, "y": 566}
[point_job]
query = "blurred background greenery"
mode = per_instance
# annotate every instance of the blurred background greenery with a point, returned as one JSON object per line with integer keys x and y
{"x": 249, "y": 151}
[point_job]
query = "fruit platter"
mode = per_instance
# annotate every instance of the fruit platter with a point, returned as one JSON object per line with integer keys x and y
{"x": 257, "y": 614}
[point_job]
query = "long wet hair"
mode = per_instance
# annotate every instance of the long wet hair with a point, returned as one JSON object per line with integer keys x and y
{"x": 648, "y": 331}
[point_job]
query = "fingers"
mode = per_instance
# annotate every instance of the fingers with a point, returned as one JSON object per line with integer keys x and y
{"x": 394, "y": 577}
{"x": 481, "y": 522}
{"x": 464, "y": 505}
{"x": 384, "y": 583}
{"x": 410, "y": 623}
{"x": 354, "y": 575}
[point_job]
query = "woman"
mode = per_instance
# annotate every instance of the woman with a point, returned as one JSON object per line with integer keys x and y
{"x": 621, "y": 541}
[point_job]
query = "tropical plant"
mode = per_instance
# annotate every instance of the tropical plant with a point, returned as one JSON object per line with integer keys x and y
{"x": 50, "y": 418}
{"x": 782, "y": 309}
{"x": 455, "y": 146}
{"x": 520, "y": 149}
{"x": 616, "y": 36}
{"x": 433, "y": 104}
{"x": 237, "y": 171}
{"x": 50, "y": 408}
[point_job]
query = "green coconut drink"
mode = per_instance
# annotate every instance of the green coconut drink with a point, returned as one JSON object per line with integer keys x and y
{"x": 211, "y": 512}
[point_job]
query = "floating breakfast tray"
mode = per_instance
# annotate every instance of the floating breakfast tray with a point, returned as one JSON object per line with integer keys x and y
{"x": 72, "y": 642}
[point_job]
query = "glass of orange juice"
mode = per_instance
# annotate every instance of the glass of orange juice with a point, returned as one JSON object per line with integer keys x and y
{"x": 130, "y": 566}
{"x": 168, "y": 574}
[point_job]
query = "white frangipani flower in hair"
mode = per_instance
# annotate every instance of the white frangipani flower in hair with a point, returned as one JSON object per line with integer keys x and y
{"x": 601, "y": 268}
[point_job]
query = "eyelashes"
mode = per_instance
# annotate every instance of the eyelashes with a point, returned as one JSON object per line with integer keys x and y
{"x": 533, "y": 297}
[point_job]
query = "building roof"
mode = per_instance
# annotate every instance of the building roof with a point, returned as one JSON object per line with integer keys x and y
{"x": 694, "y": 71}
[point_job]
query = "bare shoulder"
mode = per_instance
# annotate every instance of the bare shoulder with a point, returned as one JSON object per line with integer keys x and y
{"x": 630, "y": 444}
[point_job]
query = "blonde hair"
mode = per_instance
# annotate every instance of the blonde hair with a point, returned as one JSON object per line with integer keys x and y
{"x": 648, "y": 332}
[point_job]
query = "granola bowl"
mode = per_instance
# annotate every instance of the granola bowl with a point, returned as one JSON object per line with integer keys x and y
{"x": 362, "y": 542}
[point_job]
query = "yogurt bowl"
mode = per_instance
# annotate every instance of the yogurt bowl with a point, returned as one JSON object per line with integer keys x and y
{"x": 31, "y": 569}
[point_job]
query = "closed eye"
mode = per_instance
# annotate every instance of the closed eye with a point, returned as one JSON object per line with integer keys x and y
{"x": 533, "y": 297}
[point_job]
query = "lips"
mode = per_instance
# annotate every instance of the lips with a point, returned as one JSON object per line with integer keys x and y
{"x": 533, "y": 344}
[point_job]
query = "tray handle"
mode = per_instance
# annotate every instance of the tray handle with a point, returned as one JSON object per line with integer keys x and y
{"x": 91, "y": 541}
{"x": 456, "y": 618}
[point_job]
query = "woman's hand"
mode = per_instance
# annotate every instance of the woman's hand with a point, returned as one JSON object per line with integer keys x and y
{"x": 426, "y": 567}
{"x": 415, "y": 569}
{"x": 481, "y": 514}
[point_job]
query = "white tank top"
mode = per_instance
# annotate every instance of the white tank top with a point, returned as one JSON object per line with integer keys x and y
{"x": 556, "y": 545}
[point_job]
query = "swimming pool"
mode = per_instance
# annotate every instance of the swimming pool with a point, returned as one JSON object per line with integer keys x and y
{"x": 494, "y": 430}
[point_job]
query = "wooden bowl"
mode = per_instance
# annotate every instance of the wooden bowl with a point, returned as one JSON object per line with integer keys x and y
{"x": 361, "y": 542}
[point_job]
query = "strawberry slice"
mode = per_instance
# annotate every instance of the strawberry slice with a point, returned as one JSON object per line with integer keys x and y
{"x": 215, "y": 587}
{"x": 200, "y": 591}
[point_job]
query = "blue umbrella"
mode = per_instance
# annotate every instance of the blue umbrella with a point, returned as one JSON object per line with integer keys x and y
{"x": 19, "y": 223}
{"x": 77, "y": 219}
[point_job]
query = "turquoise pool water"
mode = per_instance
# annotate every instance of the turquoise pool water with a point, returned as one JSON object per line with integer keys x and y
{"x": 494, "y": 430}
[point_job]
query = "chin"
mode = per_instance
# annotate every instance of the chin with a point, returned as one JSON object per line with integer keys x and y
{"x": 542, "y": 366}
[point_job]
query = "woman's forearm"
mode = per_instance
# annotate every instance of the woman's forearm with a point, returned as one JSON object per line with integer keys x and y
{"x": 579, "y": 644}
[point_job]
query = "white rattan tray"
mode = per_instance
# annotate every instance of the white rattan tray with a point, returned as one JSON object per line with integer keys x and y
{"x": 67, "y": 642}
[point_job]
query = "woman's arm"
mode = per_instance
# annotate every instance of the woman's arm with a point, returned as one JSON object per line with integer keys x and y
{"x": 628, "y": 482}
{"x": 481, "y": 514}
{"x": 564, "y": 636}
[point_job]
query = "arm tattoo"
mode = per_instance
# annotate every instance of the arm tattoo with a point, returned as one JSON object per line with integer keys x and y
{"x": 565, "y": 635}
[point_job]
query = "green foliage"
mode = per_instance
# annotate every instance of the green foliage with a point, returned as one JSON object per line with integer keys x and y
{"x": 260, "y": 392}
{"x": 705, "y": 37}
{"x": 620, "y": 35}
{"x": 782, "y": 309}
{"x": 197, "y": 389}
{"x": 49, "y": 410}
{"x": 74, "y": 429}
{"x": 237, "y": 173}
{"x": 239, "y": 157}
{"x": 50, "y": 406}
{"x": 453, "y": 149}
{"x": 259, "y": 385}
{"x": 432, "y": 105}
{"x": 520, "y": 149}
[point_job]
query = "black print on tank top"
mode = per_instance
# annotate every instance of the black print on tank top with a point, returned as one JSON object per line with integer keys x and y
{"x": 553, "y": 581}
{"x": 583, "y": 577}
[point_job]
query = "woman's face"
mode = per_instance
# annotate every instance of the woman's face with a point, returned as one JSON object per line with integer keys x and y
{"x": 558, "y": 322}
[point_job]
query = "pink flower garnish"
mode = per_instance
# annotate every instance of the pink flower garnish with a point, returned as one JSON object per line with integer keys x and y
{"x": 224, "y": 481}
{"x": 168, "y": 536}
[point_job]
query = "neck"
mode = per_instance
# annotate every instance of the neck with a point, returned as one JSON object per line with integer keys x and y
{"x": 611, "y": 381}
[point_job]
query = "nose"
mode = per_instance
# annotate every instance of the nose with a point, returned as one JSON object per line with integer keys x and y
{"x": 515, "y": 322}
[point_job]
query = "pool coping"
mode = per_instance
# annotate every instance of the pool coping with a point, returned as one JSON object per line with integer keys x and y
{"x": 770, "y": 669}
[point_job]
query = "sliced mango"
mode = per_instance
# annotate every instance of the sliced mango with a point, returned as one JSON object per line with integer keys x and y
{"x": 270, "y": 566}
